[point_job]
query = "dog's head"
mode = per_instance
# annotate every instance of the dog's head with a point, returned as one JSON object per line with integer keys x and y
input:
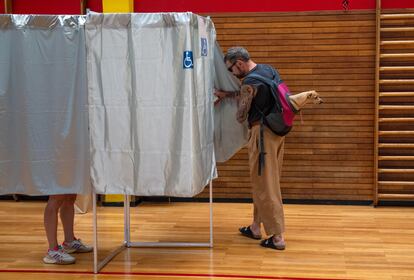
{"x": 314, "y": 97}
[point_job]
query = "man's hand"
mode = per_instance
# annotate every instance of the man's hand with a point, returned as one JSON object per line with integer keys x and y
{"x": 220, "y": 96}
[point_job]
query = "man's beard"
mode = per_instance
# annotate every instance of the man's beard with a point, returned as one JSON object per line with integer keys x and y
{"x": 241, "y": 75}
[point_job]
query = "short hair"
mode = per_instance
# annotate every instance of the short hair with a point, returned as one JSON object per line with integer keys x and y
{"x": 236, "y": 53}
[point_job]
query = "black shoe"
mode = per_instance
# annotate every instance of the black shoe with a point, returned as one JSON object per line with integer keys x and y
{"x": 246, "y": 231}
{"x": 268, "y": 243}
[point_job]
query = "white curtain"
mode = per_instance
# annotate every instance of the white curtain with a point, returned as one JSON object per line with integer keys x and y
{"x": 229, "y": 135}
{"x": 43, "y": 105}
{"x": 150, "y": 82}
{"x": 149, "y": 79}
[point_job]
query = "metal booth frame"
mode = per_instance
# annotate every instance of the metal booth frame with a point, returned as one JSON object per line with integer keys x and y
{"x": 127, "y": 243}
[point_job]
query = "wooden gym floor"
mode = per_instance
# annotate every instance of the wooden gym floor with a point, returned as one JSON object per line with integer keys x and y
{"x": 323, "y": 242}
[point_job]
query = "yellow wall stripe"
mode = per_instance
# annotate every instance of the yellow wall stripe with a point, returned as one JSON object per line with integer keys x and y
{"x": 118, "y": 6}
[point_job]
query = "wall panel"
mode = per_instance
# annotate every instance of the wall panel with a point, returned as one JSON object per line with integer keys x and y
{"x": 330, "y": 154}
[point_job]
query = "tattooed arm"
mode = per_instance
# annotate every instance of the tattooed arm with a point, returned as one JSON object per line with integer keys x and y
{"x": 247, "y": 93}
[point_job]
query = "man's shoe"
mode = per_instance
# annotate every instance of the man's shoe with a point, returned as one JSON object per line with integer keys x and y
{"x": 247, "y": 231}
{"x": 269, "y": 243}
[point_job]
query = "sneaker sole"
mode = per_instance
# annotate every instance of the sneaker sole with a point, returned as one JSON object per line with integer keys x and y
{"x": 52, "y": 261}
{"x": 71, "y": 251}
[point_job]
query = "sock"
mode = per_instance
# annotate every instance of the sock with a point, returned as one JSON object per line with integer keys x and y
{"x": 54, "y": 248}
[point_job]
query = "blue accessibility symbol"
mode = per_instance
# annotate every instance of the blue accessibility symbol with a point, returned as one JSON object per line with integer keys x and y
{"x": 188, "y": 60}
{"x": 204, "y": 47}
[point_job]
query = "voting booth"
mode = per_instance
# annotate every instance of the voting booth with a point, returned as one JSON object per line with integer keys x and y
{"x": 150, "y": 79}
{"x": 122, "y": 102}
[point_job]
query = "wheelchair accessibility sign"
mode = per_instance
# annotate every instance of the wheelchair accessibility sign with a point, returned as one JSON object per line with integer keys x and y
{"x": 204, "y": 46}
{"x": 188, "y": 60}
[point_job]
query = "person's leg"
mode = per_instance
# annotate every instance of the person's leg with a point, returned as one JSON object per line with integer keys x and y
{"x": 266, "y": 187}
{"x": 279, "y": 239}
{"x": 67, "y": 216}
{"x": 253, "y": 152}
{"x": 55, "y": 254}
{"x": 255, "y": 226}
{"x": 253, "y": 230}
{"x": 51, "y": 219}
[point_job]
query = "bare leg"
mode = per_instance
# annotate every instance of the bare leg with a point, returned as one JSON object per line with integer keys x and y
{"x": 279, "y": 239}
{"x": 67, "y": 216}
{"x": 51, "y": 219}
{"x": 255, "y": 226}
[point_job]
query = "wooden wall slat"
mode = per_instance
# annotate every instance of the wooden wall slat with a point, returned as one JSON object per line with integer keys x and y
{"x": 329, "y": 155}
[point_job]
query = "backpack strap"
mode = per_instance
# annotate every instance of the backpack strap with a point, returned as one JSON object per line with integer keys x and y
{"x": 271, "y": 84}
{"x": 262, "y": 152}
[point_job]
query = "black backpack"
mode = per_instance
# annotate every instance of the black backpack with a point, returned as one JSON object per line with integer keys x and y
{"x": 280, "y": 119}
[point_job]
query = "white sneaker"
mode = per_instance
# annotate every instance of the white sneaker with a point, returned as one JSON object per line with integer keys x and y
{"x": 76, "y": 246}
{"x": 58, "y": 257}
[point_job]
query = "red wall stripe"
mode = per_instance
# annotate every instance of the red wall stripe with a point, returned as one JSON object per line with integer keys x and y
{"x": 217, "y": 6}
{"x": 397, "y": 4}
{"x": 95, "y": 5}
{"x": 46, "y": 7}
{"x": 51, "y": 6}
{"x": 202, "y": 6}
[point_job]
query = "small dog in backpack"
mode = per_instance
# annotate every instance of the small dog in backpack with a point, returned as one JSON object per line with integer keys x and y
{"x": 301, "y": 99}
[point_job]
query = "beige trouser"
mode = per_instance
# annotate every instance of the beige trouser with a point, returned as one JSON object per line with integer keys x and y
{"x": 267, "y": 197}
